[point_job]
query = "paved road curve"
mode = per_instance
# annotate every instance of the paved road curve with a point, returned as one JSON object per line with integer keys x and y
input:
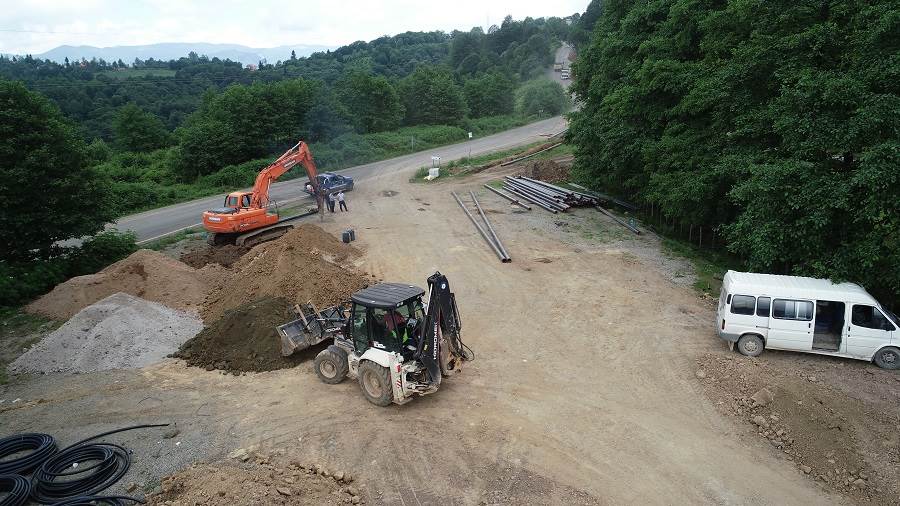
{"x": 166, "y": 220}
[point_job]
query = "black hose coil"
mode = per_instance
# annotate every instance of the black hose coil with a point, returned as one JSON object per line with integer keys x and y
{"x": 82, "y": 469}
{"x": 99, "y": 500}
{"x": 17, "y": 489}
{"x": 42, "y": 446}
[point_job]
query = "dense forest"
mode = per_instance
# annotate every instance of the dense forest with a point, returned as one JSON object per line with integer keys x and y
{"x": 86, "y": 141}
{"x": 773, "y": 125}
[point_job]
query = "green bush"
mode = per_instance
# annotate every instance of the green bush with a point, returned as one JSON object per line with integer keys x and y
{"x": 23, "y": 281}
{"x": 540, "y": 98}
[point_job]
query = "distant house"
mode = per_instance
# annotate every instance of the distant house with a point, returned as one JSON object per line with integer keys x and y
{"x": 251, "y": 67}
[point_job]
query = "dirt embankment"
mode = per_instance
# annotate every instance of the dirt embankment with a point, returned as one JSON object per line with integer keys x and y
{"x": 146, "y": 274}
{"x": 548, "y": 170}
{"x": 305, "y": 264}
{"x": 225, "y": 255}
{"x": 836, "y": 420}
{"x": 244, "y": 339}
{"x": 244, "y": 482}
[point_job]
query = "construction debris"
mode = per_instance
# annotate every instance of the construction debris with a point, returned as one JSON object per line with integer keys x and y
{"x": 118, "y": 332}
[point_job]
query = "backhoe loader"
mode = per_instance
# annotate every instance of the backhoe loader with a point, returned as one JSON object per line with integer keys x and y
{"x": 393, "y": 344}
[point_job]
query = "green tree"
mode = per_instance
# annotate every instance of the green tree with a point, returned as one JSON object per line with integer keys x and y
{"x": 541, "y": 97}
{"x": 372, "y": 101}
{"x": 431, "y": 97}
{"x": 137, "y": 130}
{"x": 50, "y": 191}
{"x": 489, "y": 95}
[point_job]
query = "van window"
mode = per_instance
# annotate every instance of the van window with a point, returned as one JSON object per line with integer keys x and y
{"x": 762, "y": 306}
{"x": 743, "y": 304}
{"x": 792, "y": 309}
{"x": 870, "y": 318}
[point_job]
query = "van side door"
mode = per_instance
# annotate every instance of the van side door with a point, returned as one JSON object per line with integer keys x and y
{"x": 741, "y": 316}
{"x": 791, "y": 325}
{"x": 867, "y": 331}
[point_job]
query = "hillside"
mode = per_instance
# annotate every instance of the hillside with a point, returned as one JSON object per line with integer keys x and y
{"x": 174, "y": 50}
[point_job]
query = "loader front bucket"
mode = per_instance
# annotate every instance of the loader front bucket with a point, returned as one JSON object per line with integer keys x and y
{"x": 294, "y": 337}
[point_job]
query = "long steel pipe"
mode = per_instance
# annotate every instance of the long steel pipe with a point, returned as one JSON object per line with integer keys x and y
{"x": 490, "y": 228}
{"x": 500, "y": 254}
{"x": 548, "y": 199}
{"x": 507, "y": 197}
{"x": 511, "y": 189}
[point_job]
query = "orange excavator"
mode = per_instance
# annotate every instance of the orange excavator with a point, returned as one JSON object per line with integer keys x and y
{"x": 250, "y": 218}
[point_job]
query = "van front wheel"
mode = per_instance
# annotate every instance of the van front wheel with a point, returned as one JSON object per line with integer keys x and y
{"x": 888, "y": 358}
{"x": 750, "y": 345}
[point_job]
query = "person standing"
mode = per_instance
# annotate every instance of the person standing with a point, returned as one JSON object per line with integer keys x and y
{"x": 340, "y": 198}
{"x": 330, "y": 198}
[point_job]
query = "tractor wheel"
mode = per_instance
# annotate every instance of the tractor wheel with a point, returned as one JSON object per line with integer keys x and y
{"x": 375, "y": 382}
{"x": 331, "y": 365}
{"x": 888, "y": 358}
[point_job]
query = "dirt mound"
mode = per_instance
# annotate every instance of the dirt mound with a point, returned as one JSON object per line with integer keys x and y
{"x": 244, "y": 339}
{"x": 223, "y": 255}
{"x": 146, "y": 274}
{"x": 839, "y": 438}
{"x": 548, "y": 170}
{"x": 305, "y": 264}
{"x": 118, "y": 332}
{"x": 259, "y": 482}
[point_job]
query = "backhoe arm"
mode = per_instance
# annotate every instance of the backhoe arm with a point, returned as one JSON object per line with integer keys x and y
{"x": 298, "y": 154}
{"x": 441, "y": 345}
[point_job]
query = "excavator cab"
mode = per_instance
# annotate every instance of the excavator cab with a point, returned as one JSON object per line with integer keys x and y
{"x": 238, "y": 200}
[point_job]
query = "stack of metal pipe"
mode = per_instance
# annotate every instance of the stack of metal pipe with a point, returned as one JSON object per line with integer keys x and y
{"x": 548, "y": 196}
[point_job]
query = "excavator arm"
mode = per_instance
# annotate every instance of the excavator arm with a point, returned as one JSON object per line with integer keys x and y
{"x": 298, "y": 154}
{"x": 441, "y": 346}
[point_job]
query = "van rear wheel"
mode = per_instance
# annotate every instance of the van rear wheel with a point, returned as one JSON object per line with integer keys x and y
{"x": 888, "y": 358}
{"x": 750, "y": 345}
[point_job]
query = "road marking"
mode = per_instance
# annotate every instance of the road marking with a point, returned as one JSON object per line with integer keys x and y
{"x": 169, "y": 233}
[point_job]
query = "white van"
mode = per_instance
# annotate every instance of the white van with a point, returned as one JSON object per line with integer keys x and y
{"x": 759, "y": 311}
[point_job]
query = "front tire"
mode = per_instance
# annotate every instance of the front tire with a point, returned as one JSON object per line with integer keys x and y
{"x": 375, "y": 382}
{"x": 888, "y": 358}
{"x": 331, "y": 365}
{"x": 750, "y": 345}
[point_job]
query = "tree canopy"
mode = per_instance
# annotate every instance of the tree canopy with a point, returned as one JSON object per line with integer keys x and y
{"x": 46, "y": 183}
{"x": 774, "y": 123}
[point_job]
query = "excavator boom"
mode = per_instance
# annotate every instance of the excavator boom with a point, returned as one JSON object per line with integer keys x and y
{"x": 299, "y": 153}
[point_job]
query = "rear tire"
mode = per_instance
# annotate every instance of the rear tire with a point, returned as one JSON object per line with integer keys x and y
{"x": 750, "y": 345}
{"x": 888, "y": 358}
{"x": 331, "y": 365}
{"x": 375, "y": 382}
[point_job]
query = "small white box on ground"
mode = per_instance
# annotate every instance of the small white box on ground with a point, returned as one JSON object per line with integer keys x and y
{"x": 433, "y": 173}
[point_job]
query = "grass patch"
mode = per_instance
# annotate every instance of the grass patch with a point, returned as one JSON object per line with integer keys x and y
{"x": 558, "y": 151}
{"x": 466, "y": 164}
{"x": 164, "y": 242}
{"x": 709, "y": 266}
{"x": 18, "y": 331}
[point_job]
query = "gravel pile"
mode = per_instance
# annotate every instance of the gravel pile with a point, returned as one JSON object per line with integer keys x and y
{"x": 118, "y": 332}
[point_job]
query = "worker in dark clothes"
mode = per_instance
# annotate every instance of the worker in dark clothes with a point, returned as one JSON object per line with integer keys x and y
{"x": 340, "y": 199}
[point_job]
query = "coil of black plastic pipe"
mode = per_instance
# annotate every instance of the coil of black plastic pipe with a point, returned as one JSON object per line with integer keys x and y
{"x": 99, "y": 500}
{"x": 16, "y": 489}
{"x": 41, "y": 447}
{"x": 82, "y": 469}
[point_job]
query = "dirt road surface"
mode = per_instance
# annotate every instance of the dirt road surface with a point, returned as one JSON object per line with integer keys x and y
{"x": 583, "y": 390}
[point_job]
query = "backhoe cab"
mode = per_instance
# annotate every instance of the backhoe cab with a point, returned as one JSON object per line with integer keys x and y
{"x": 394, "y": 345}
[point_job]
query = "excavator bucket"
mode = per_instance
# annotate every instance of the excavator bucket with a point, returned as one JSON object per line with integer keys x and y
{"x": 311, "y": 328}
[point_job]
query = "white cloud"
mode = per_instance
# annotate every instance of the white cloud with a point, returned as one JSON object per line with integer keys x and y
{"x": 262, "y": 23}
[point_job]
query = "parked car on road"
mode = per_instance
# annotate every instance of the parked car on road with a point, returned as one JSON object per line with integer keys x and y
{"x": 332, "y": 183}
{"x": 765, "y": 311}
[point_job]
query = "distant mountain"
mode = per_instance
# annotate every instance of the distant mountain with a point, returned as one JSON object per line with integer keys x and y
{"x": 175, "y": 50}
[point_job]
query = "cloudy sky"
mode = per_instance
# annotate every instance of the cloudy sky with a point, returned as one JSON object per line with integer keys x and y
{"x": 35, "y": 26}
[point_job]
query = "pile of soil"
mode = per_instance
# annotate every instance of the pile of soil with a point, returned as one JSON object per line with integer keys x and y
{"x": 305, "y": 264}
{"x": 549, "y": 171}
{"x": 118, "y": 332}
{"x": 818, "y": 413}
{"x": 146, "y": 274}
{"x": 244, "y": 339}
{"x": 225, "y": 255}
{"x": 259, "y": 482}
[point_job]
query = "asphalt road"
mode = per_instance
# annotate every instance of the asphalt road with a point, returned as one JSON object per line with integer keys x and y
{"x": 157, "y": 223}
